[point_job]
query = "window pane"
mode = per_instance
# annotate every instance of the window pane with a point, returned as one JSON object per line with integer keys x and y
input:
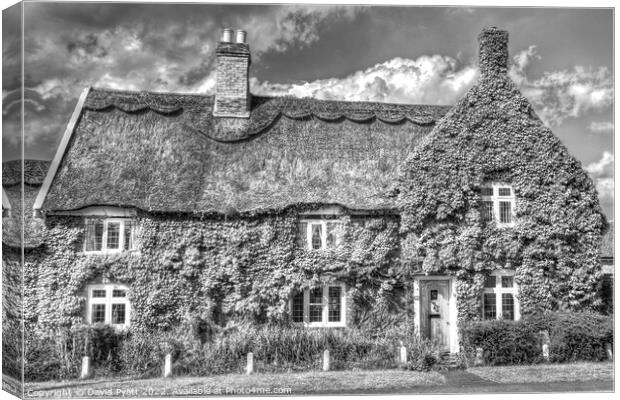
{"x": 98, "y": 313}
{"x": 508, "y": 306}
{"x": 94, "y": 235}
{"x": 128, "y": 235}
{"x": 99, "y": 293}
{"x": 298, "y": 307}
{"x": 302, "y": 235}
{"x": 490, "y": 282}
{"x": 487, "y": 191}
{"x": 118, "y": 313}
{"x": 504, "y": 191}
{"x": 317, "y": 231}
{"x": 119, "y": 293}
{"x": 316, "y": 305}
{"x": 114, "y": 229}
{"x": 489, "y": 306}
{"x": 507, "y": 281}
{"x": 331, "y": 228}
{"x": 333, "y": 312}
{"x": 505, "y": 216}
{"x": 487, "y": 211}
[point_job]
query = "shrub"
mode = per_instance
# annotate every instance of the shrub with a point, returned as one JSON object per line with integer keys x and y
{"x": 575, "y": 336}
{"x": 572, "y": 336}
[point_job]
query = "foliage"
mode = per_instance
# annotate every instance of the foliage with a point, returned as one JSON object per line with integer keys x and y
{"x": 216, "y": 271}
{"x": 493, "y": 135}
{"x": 138, "y": 353}
{"x": 572, "y": 337}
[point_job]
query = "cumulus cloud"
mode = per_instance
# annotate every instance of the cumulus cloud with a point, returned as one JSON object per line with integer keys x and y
{"x": 559, "y": 95}
{"x": 601, "y": 127}
{"x": 428, "y": 80}
{"x": 602, "y": 172}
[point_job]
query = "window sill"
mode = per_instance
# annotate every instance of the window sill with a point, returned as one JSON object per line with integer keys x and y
{"x": 321, "y": 324}
{"x": 108, "y": 252}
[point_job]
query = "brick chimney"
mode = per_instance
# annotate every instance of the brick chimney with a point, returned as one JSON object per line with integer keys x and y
{"x": 493, "y": 51}
{"x": 232, "y": 89}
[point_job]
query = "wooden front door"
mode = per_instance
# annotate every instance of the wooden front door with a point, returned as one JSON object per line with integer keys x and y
{"x": 434, "y": 311}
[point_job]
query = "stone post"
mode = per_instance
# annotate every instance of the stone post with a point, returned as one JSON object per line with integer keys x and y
{"x": 609, "y": 351}
{"x": 326, "y": 360}
{"x": 545, "y": 344}
{"x": 168, "y": 366}
{"x": 249, "y": 369}
{"x": 85, "y": 368}
{"x": 479, "y": 357}
{"x": 403, "y": 355}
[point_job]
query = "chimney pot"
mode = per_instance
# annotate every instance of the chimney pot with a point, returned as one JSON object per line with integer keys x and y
{"x": 227, "y": 35}
{"x": 240, "y": 36}
{"x": 493, "y": 51}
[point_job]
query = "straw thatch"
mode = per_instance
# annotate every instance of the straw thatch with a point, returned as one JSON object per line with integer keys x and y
{"x": 33, "y": 174}
{"x": 166, "y": 152}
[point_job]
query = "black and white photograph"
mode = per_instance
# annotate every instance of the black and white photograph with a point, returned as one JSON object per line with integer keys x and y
{"x": 267, "y": 200}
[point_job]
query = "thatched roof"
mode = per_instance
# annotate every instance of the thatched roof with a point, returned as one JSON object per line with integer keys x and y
{"x": 34, "y": 174}
{"x": 166, "y": 152}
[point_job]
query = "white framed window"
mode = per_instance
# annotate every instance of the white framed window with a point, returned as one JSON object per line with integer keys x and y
{"x": 318, "y": 234}
{"x": 108, "y": 304}
{"x": 499, "y": 298}
{"x": 497, "y": 204}
{"x": 324, "y": 306}
{"x": 108, "y": 235}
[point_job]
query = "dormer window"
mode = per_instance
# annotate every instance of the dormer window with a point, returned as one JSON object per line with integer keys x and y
{"x": 108, "y": 235}
{"x": 318, "y": 234}
{"x": 497, "y": 204}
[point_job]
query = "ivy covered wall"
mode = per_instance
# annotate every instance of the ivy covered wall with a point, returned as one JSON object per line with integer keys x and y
{"x": 217, "y": 270}
{"x": 492, "y": 134}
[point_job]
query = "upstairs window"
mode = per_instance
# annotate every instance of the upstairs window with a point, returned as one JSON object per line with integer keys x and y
{"x": 316, "y": 234}
{"x": 108, "y": 235}
{"x": 321, "y": 307}
{"x": 497, "y": 204}
{"x": 108, "y": 304}
{"x": 499, "y": 299}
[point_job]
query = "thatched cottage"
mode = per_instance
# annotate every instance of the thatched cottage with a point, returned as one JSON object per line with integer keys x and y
{"x": 235, "y": 207}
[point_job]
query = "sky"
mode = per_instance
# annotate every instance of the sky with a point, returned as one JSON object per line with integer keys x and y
{"x": 561, "y": 59}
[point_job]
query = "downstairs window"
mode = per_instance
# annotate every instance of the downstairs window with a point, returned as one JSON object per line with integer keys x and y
{"x": 323, "y": 306}
{"x": 108, "y": 304}
{"x": 499, "y": 299}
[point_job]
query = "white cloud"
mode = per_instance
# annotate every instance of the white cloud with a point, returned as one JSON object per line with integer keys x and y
{"x": 601, "y": 127}
{"x": 602, "y": 172}
{"x": 563, "y": 94}
{"x": 427, "y": 80}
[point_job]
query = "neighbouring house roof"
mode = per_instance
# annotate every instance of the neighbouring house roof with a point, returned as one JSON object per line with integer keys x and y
{"x": 34, "y": 173}
{"x": 607, "y": 242}
{"x": 166, "y": 152}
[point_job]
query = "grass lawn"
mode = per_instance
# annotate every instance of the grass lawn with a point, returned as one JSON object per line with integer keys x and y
{"x": 577, "y": 372}
{"x": 287, "y": 384}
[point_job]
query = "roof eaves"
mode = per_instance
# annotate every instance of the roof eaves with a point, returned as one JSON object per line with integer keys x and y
{"x": 62, "y": 148}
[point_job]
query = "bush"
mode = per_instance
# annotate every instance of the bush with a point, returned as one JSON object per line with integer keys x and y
{"x": 572, "y": 336}
{"x": 575, "y": 336}
{"x": 276, "y": 349}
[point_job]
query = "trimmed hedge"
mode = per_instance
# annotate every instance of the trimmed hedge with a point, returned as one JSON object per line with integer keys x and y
{"x": 572, "y": 337}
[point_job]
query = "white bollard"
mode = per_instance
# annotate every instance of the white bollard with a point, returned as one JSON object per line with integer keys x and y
{"x": 85, "y": 367}
{"x": 545, "y": 351}
{"x": 168, "y": 366}
{"x": 403, "y": 355}
{"x": 610, "y": 353}
{"x": 249, "y": 369}
{"x": 326, "y": 360}
{"x": 479, "y": 356}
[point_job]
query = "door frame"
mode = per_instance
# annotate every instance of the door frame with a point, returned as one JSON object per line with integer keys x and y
{"x": 452, "y": 319}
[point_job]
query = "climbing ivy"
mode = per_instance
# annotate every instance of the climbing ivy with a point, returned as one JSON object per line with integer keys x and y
{"x": 217, "y": 270}
{"x": 493, "y": 135}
